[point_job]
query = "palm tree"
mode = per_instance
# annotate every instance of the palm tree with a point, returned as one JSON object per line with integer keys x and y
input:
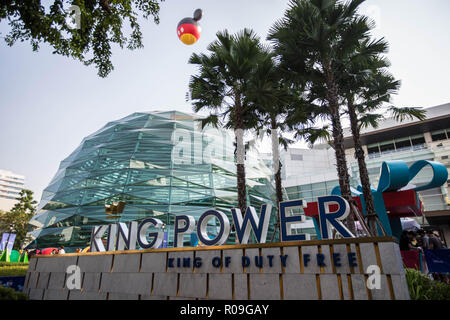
{"x": 364, "y": 83}
{"x": 221, "y": 86}
{"x": 273, "y": 98}
{"x": 315, "y": 39}
{"x": 366, "y": 87}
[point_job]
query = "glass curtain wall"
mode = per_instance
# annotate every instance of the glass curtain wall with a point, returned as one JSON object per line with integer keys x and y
{"x": 155, "y": 164}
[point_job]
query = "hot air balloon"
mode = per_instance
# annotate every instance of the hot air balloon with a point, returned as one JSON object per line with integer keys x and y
{"x": 189, "y": 29}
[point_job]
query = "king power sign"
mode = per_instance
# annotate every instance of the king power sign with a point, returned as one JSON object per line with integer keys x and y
{"x": 122, "y": 236}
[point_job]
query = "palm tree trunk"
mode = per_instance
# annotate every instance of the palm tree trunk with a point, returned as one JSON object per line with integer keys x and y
{"x": 276, "y": 161}
{"x": 240, "y": 157}
{"x": 338, "y": 143}
{"x": 277, "y": 170}
{"x": 363, "y": 173}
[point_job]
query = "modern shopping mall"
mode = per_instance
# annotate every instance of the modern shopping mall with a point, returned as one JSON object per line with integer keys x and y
{"x": 160, "y": 164}
{"x": 310, "y": 173}
{"x": 149, "y": 164}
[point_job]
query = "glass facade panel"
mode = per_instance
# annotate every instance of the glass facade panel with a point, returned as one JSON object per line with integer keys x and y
{"x": 306, "y": 195}
{"x": 305, "y": 187}
{"x": 319, "y": 185}
{"x": 136, "y": 160}
{"x": 418, "y": 143}
{"x": 319, "y": 193}
{"x": 331, "y": 184}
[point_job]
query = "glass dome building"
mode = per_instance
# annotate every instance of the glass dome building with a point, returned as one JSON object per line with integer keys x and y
{"x": 148, "y": 164}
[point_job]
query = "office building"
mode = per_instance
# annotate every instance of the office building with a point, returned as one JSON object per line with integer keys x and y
{"x": 10, "y": 186}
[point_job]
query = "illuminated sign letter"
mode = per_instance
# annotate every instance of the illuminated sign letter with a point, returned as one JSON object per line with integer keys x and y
{"x": 224, "y": 230}
{"x": 157, "y": 236}
{"x": 329, "y": 220}
{"x": 96, "y": 238}
{"x": 286, "y": 221}
{"x": 189, "y": 225}
{"x": 126, "y": 236}
{"x": 112, "y": 237}
{"x": 259, "y": 225}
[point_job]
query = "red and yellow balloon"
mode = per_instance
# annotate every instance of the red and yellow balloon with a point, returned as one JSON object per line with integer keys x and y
{"x": 189, "y": 29}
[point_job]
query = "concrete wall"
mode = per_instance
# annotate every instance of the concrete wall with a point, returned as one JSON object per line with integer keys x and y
{"x": 146, "y": 274}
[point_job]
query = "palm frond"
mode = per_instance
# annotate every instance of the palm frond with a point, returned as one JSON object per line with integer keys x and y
{"x": 370, "y": 120}
{"x": 211, "y": 120}
{"x": 285, "y": 142}
{"x": 312, "y": 135}
{"x": 401, "y": 114}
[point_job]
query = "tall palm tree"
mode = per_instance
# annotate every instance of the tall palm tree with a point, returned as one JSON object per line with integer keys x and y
{"x": 221, "y": 86}
{"x": 273, "y": 98}
{"x": 363, "y": 82}
{"x": 264, "y": 98}
{"x": 366, "y": 87}
{"x": 314, "y": 39}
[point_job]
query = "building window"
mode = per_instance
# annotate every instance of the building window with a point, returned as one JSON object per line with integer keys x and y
{"x": 418, "y": 142}
{"x": 387, "y": 147}
{"x": 373, "y": 149}
{"x": 403, "y": 144}
{"x": 291, "y": 189}
{"x": 297, "y": 157}
{"x": 306, "y": 195}
{"x": 376, "y": 150}
{"x": 438, "y": 135}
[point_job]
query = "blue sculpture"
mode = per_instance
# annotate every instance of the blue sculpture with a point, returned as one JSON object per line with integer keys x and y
{"x": 395, "y": 176}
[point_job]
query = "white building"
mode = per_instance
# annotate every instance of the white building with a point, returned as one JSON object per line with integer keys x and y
{"x": 411, "y": 141}
{"x": 10, "y": 186}
{"x": 306, "y": 174}
{"x": 310, "y": 173}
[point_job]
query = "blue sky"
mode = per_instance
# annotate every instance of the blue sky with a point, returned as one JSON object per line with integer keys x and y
{"x": 49, "y": 103}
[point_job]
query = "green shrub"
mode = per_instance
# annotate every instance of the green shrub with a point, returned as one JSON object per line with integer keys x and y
{"x": 11, "y": 269}
{"x": 13, "y": 264}
{"x": 10, "y": 294}
{"x": 423, "y": 288}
